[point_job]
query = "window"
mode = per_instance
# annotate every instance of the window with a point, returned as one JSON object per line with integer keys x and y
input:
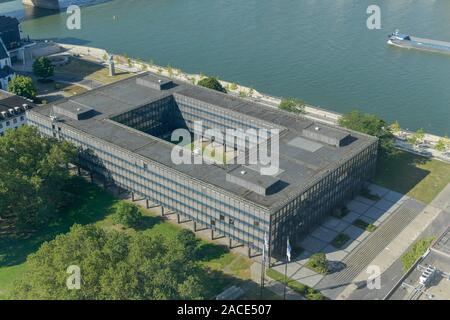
{"x": 15, "y": 120}
{"x": 256, "y": 223}
{"x": 213, "y": 223}
{"x": 231, "y": 221}
{"x": 7, "y": 123}
{"x": 22, "y": 118}
{"x": 222, "y": 217}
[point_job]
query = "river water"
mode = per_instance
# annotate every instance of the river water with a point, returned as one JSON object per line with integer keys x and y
{"x": 318, "y": 50}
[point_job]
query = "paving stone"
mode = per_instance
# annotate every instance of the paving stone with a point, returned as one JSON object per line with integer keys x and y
{"x": 335, "y": 224}
{"x": 307, "y": 276}
{"x": 393, "y": 196}
{"x": 378, "y": 190}
{"x": 384, "y": 205}
{"x": 312, "y": 244}
{"x": 335, "y": 255}
{"x": 354, "y": 232}
{"x": 374, "y": 213}
{"x": 350, "y": 246}
{"x": 365, "y": 200}
{"x": 324, "y": 234}
{"x": 303, "y": 257}
{"x": 357, "y": 206}
{"x": 351, "y": 216}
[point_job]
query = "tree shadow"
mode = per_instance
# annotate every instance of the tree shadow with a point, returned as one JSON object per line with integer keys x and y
{"x": 399, "y": 172}
{"x": 148, "y": 222}
{"x": 210, "y": 251}
{"x": 89, "y": 204}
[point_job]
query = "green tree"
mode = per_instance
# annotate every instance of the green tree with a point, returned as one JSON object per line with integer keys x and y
{"x": 22, "y": 86}
{"x": 211, "y": 83}
{"x": 127, "y": 214}
{"x": 34, "y": 179}
{"x": 43, "y": 68}
{"x": 369, "y": 124}
{"x": 293, "y": 105}
{"x": 395, "y": 127}
{"x": 318, "y": 262}
{"x": 440, "y": 145}
{"x": 113, "y": 265}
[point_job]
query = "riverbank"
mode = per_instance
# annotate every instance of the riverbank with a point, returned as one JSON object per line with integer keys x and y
{"x": 424, "y": 147}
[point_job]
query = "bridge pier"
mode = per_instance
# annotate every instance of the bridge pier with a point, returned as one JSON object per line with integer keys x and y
{"x": 44, "y": 4}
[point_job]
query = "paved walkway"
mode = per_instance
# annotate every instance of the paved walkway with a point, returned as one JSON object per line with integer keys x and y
{"x": 392, "y": 252}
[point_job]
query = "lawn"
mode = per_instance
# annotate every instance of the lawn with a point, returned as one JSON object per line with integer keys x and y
{"x": 418, "y": 177}
{"x": 308, "y": 292}
{"x": 94, "y": 205}
{"x": 83, "y": 69}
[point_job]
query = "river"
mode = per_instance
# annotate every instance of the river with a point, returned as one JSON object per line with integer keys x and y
{"x": 318, "y": 50}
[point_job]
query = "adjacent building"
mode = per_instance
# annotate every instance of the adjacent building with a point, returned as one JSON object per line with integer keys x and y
{"x": 6, "y": 70}
{"x": 123, "y": 133}
{"x": 12, "y": 111}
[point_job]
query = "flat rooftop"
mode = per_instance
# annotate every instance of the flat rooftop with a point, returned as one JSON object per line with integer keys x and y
{"x": 303, "y": 160}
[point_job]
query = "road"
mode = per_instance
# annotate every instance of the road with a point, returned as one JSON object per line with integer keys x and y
{"x": 395, "y": 272}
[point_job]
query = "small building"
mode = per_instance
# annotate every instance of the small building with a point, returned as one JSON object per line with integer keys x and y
{"x": 12, "y": 111}
{"x": 10, "y": 32}
{"x": 6, "y": 70}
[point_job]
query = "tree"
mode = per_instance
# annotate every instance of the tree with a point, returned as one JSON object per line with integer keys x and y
{"x": 369, "y": 124}
{"x": 113, "y": 265}
{"x": 211, "y": 83}
{"x": 127, "y": 214}
{"x": 34, "y": 179}
{"x": 43, "y": 68}
{"x": 293, "y": 105}
{"x": 395, "y": 127}
{"x": 22, "y": 86}
{"x": 318, "y": 262}
{"x": 440, "y": 145}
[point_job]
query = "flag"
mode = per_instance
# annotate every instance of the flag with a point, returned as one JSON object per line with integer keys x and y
{"x": 265, "y": 248}
{"x": 288, "y": 250}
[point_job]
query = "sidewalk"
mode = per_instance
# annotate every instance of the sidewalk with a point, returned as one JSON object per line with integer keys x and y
{"x": 272, "y": 285}
{"x": 405, "y": 239}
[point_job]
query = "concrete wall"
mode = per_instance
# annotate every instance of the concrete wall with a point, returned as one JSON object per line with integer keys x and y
{"x": 44, "y": 4}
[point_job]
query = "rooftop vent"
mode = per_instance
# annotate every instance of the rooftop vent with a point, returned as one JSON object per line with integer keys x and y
{"x": 317, "y": 128}
{"x": 11, "y": 111}
{"x": 4, "y": 113}
{"x": 243, "y": 172}
{"x": 17, "y": 108}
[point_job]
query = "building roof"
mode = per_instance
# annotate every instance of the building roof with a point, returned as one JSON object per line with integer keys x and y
{"x": 18, "y": 104}
{"x": 3, "y": 52}
{"x": 302, "y": 160}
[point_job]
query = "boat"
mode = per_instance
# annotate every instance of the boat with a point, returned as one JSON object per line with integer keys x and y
{"x": 409, "y": 42}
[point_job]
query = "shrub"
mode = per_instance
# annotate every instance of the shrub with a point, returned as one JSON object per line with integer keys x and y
{"x": 340, "y": 240}
{"x": 212, "y": 83}
{"x": 292, "y": 105}
{"x": 416, "y": 251}
{"x": 318, "y": 262}
{"x": 127, "y": 214}
{"x": 364, "y": 225}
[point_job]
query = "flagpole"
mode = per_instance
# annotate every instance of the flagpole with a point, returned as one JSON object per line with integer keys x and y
{"x": 285, "y": 279}
{"x": 263, "y": 266}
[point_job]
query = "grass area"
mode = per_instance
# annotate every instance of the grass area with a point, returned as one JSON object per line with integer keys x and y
{"x": 318, "y": 263}
{"x": 418, "y": 177}
{"x": 83, "y": 69}
{"x": 416, "y": 251}
{"x": 340, "y": 240}
{"x": 308, "y": 292}
{"x": 364, "y": 225}
{"x": 94, "y": 205}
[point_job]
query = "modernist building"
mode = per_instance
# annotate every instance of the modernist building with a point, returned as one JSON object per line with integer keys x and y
{"x": 12, "y": 111}
{"x": 122, "y": 130}
{"x": 6, "y": 70}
